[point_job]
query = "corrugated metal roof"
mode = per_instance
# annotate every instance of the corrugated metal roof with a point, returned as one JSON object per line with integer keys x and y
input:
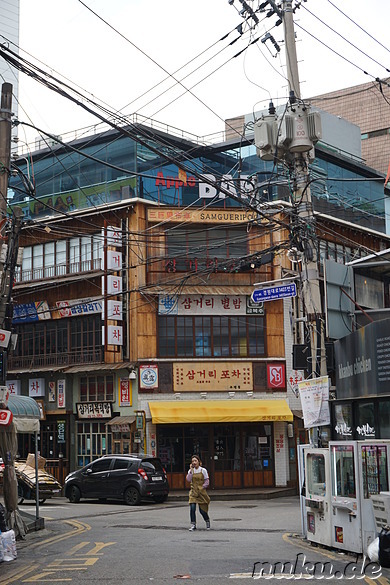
{"x": 98, "y": 367}
{"x": 121, "y": 420}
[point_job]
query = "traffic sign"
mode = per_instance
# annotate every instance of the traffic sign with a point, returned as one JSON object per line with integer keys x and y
{"x": 274, "y": 292}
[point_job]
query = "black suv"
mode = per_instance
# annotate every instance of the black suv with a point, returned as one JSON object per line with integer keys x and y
{"x": 126, "y": 477}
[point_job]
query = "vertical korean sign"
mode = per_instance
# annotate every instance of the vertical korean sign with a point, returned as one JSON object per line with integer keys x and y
{"x": 112, "y": 333}
{"x": 61, "y": 393}
{"x": 125, "y": 392}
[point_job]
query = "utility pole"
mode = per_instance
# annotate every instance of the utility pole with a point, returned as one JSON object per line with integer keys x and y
{"x": 5, "y": 145}
{"x": 305, "y": 216}
{"x": 5, "y": 161}
{"x": 291, "y": 137}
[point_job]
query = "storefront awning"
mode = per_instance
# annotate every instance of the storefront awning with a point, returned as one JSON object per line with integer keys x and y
{"x": 219, "y": 411}
{"x": 26, "y": 413}
{"x": 121, "y": 424}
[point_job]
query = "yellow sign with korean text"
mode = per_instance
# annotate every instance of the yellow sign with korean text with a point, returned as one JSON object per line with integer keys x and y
{"x": 212, "y": 377}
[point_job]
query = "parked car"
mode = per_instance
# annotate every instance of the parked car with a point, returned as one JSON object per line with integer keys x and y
{"x": 131, "y": 478}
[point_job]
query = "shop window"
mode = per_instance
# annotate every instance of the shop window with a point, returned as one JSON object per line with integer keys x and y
{"x": 210, "y": 336}
{"x": 343, "y": 421}
{"x": 384, "y": 418}
{"x": 374, "y": 467}
{"x": 93, "y": 441}
{"x": 365, "y": 420}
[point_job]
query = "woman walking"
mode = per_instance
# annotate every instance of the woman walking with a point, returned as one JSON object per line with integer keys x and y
{"x": 198, "y": 477}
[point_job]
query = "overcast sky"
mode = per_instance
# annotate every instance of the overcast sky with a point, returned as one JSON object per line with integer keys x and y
{"x": 69, "y": 40}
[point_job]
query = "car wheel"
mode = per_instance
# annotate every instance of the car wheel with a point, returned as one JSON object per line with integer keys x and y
{"x": 132, "y": 496}
{"x": 160, "y": 499}
{"x": 74, "y": 494}
{"x": 20, "y": 494}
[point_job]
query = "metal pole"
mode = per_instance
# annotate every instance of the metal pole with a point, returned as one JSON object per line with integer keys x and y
{"x": 36, "y": 481}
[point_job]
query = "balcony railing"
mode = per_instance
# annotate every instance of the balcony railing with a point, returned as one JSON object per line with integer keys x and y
{"x": 58, "y": 270}
{"x": 91, "y": 356}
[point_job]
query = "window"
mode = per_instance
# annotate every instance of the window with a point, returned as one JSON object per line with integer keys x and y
{"x": 60, "y": 257}
{"x": 96, "y": 388}
{"x": 101, "y": 465}
{"x": 316, "y": 483}
{"x": 194, "y": 249}
{"x": 93, "y": 441}
{"x": 343, "y": 465}
{"x": 120, "y": 464}
{"x": 61, "y": 341}
{"x": 210, "y": 336}
{"x": 369, "y": 292}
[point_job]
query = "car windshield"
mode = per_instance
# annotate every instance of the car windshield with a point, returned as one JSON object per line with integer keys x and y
{"x": 152, "y": 465}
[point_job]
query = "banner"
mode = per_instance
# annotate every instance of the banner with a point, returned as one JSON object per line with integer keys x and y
{"x": 315, "y": 401}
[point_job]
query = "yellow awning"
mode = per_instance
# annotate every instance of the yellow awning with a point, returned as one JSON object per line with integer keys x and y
{"x": 219, "y": 411}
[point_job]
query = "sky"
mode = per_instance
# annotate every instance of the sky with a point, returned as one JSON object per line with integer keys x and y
{"x": 153, "y": 38}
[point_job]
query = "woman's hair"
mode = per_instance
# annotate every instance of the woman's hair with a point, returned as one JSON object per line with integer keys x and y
{"x": 196, "y": 457}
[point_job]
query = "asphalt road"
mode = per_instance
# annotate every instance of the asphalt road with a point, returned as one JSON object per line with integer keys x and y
{"x": 110, "y": 543}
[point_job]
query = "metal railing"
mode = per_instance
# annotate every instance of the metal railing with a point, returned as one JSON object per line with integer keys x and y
{"x": 87, "y": 356}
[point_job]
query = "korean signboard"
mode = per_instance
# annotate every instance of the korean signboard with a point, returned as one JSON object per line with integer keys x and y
{"x": 61, "y": 393}
{"x": 14, "y": 387}
{"x": 125, "y": 392}
{"x": 94, "y": 410}
{"x": 212, "y": 376}
{"x": 36, "y": 387}
{"x": 208, "y": 305}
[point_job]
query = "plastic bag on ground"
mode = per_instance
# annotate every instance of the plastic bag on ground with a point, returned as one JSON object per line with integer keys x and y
{"x": 9, "y": 545}
{"x": 373, "y": 550}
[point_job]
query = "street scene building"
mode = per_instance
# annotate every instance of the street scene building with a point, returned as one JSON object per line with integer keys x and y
{"x": 190, "y": 364}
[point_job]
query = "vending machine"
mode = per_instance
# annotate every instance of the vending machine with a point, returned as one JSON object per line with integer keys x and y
{"x": 318, "y": 495}
{"x": 358, "y": 470}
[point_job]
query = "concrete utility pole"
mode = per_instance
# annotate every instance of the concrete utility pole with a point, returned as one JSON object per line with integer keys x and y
{"x": 304, "y": 209}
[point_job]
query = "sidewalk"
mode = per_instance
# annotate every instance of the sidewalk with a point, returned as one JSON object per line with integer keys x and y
{"x": 238, "y": 494}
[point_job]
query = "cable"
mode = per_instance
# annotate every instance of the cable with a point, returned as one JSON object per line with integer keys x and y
{"x": 344, "y": 39}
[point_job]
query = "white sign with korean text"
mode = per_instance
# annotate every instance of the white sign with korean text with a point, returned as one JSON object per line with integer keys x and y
{"x": 14, "y": 387}
{"x": 114, "y": 285}
{"x": 114, "y": 236}
{"x": 114, "y": 260}
{"x": 114, "y": 310}
{"x": 36, "y": 387}
{"x": 315, "y": 401}
{"x": 114, "y": 335}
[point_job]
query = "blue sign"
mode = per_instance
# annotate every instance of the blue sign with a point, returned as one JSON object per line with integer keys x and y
{"x": 274, "y": 292}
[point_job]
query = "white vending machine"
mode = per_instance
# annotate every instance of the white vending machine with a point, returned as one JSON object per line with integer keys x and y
{"x": 358, "y": 470}
{"x": 318, "y": 496}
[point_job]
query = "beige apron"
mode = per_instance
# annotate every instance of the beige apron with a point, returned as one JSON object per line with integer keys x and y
{"x": 198, "y": 494}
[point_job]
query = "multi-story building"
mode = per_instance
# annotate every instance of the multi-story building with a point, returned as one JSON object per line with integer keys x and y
{"x": 186, "y": 363}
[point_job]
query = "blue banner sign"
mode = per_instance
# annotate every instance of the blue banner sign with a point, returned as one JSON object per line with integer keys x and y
{"x": 274, "y": 292}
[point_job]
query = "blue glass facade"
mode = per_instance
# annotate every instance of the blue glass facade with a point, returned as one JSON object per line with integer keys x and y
{"x": 68, "y": 180}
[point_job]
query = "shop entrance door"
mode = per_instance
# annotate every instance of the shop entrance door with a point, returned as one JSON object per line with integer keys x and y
{"x": 121, "y": 443}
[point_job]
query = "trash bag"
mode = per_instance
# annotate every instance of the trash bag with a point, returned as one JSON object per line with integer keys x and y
{"x": 9, "y": 545}
{"x": 373, "y": 550}
{"x": 384, "y": 547}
